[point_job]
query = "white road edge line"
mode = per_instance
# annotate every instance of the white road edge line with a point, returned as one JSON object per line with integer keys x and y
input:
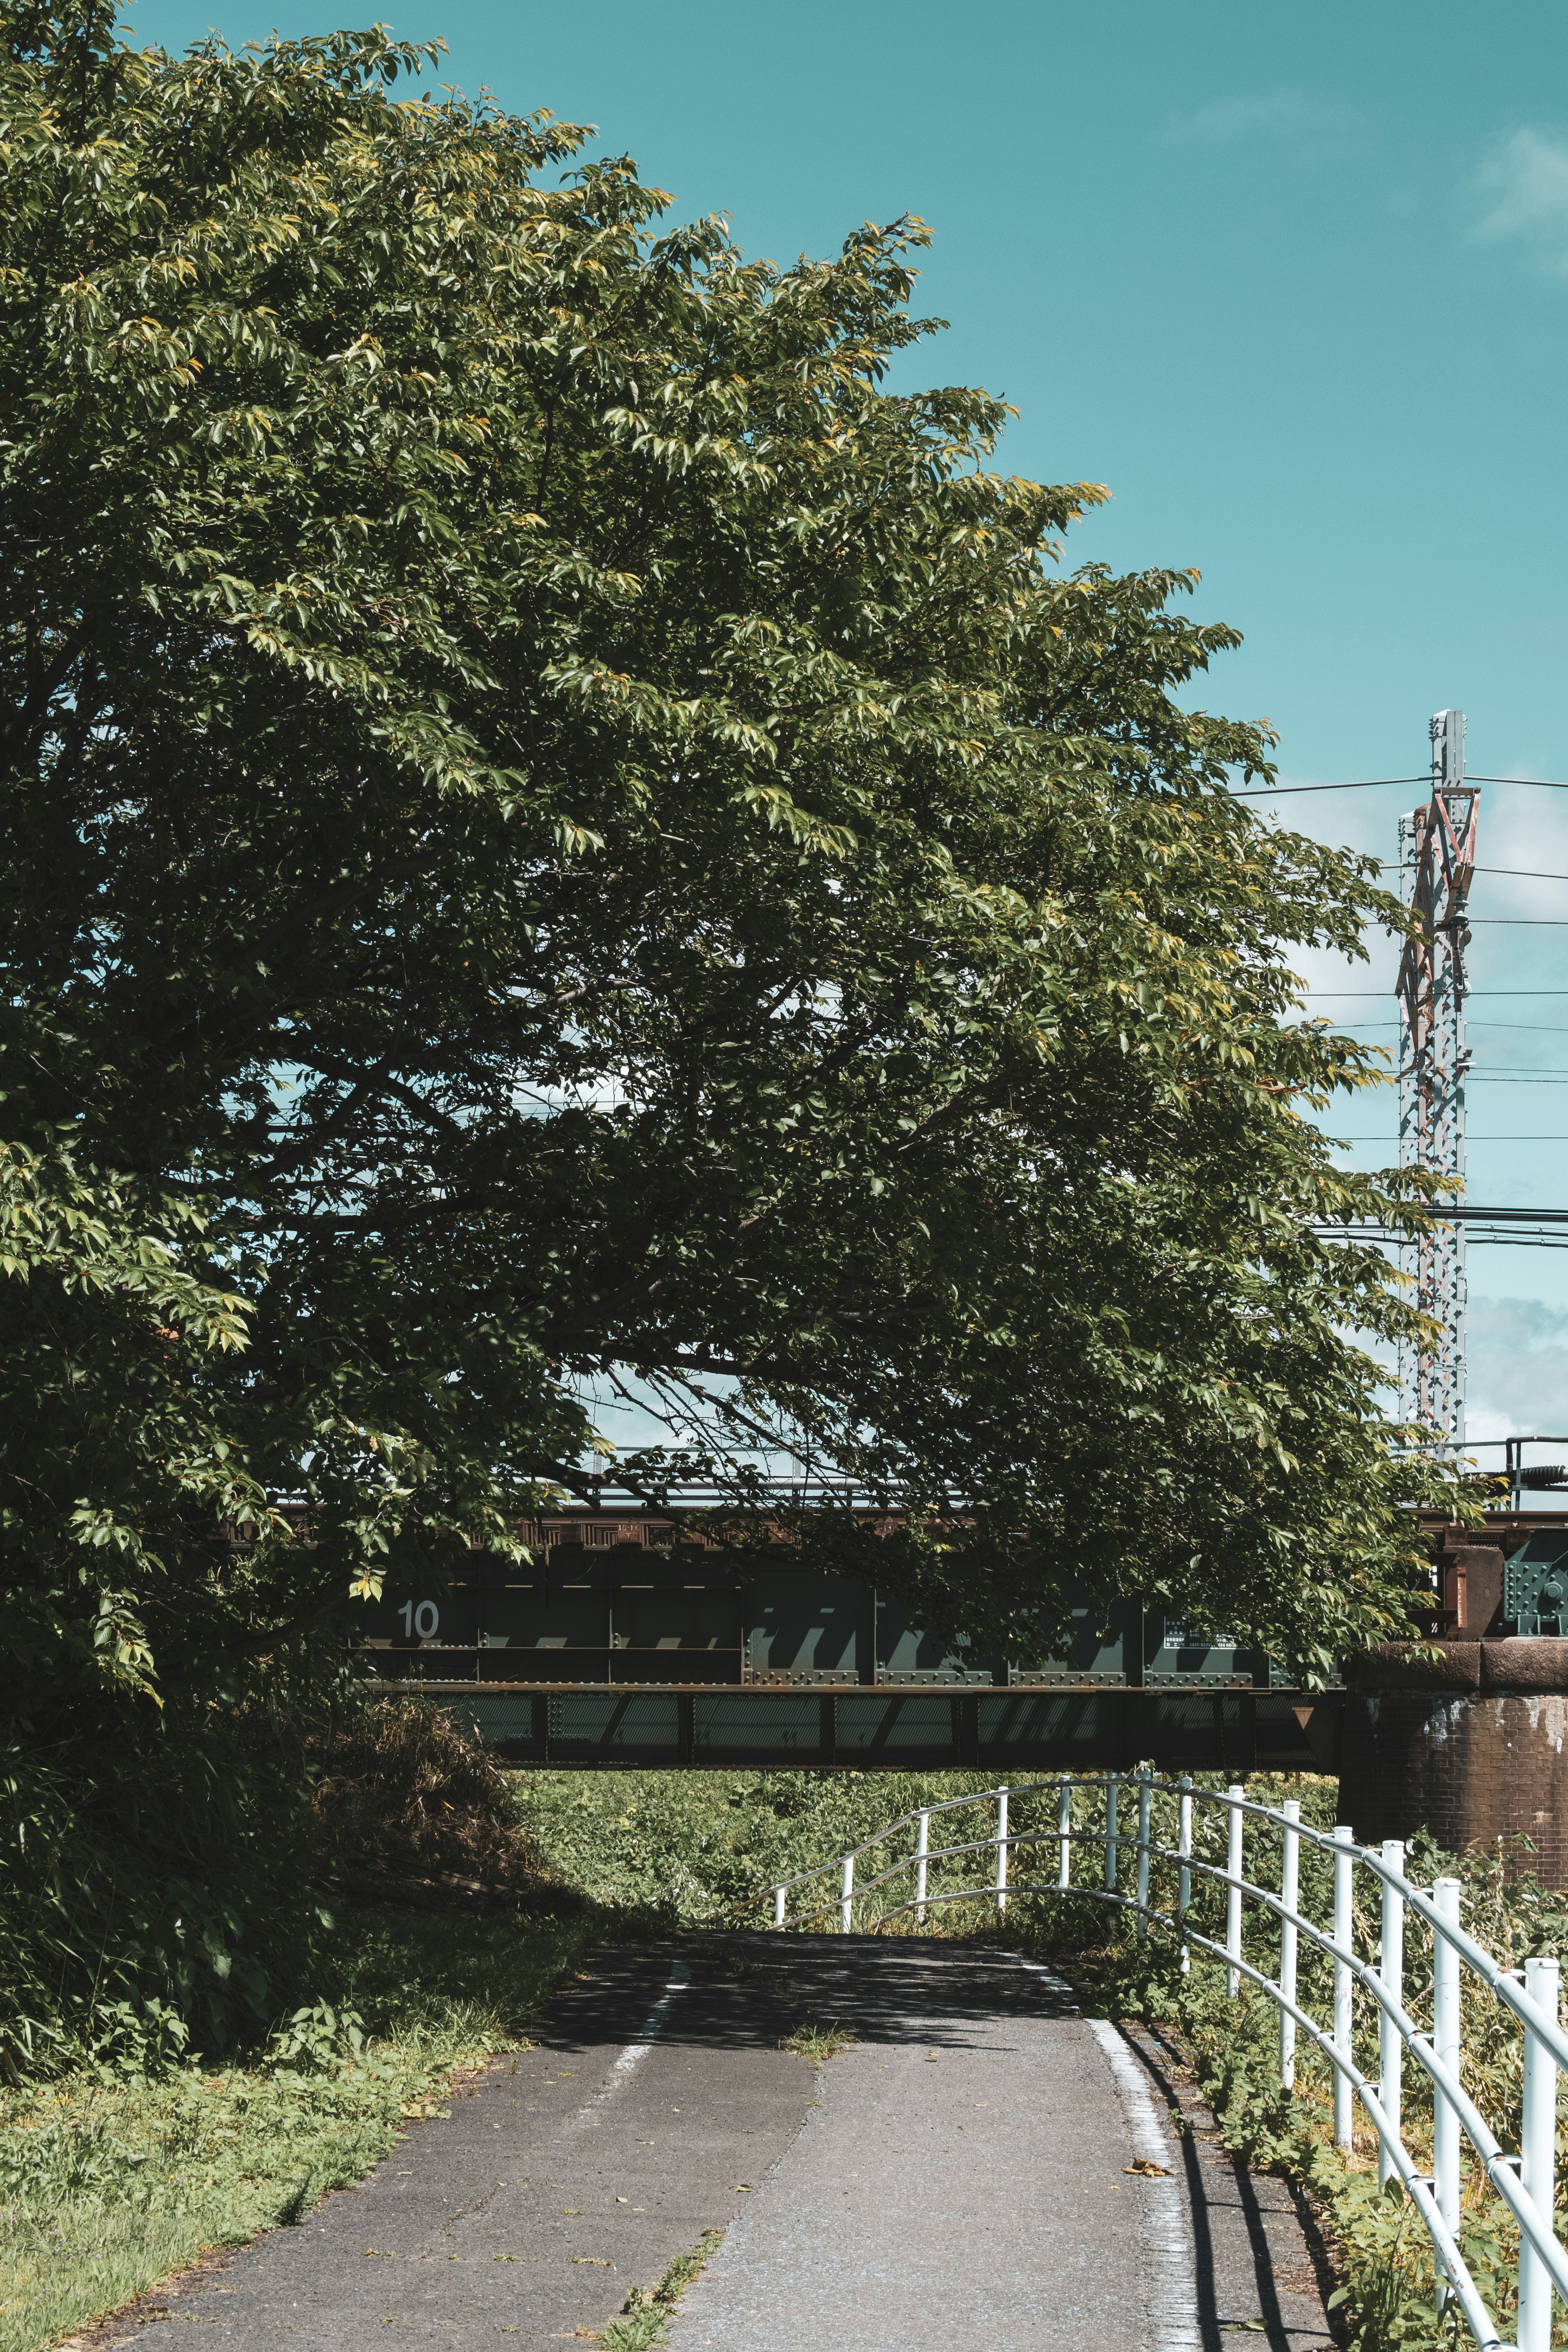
{"x": 1173, "y": 2297}
{"x": 647, "y": 2035}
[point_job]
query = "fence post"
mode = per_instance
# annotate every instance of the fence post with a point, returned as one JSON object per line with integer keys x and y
{"x": 1111, "y": 1785}
{"x": 1344, "y": 1935}
{"x": 1538, "y": 2152}
{"x": 1145, "y": 1794}
{"x": 1184, "y": 1875}
{"x": 1289, "y": 1893}
{"x": 1064, "y": 1834}
{"x": 1233, "y": 1899}
{"x": 922, "y": 1848}
{"x": 1001, "y": 1852}
{"x": 1445, "y": 2174}
{"x": 846, "y": 1897}
{"x": 1391, "y": 1976}
{"x": 778, "y": 1906}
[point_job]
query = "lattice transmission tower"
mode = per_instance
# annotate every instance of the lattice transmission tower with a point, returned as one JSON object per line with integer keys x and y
{"x": 1436, "y": 858}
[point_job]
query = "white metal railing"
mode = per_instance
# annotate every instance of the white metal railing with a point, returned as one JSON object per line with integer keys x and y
{"x": 1526, "y": 2182}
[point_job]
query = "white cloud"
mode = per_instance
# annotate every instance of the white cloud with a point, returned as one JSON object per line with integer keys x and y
{"x": 1516, "y": 1366}
{"x": 1524, "y": 187}
{"x": 1292, "y": 117}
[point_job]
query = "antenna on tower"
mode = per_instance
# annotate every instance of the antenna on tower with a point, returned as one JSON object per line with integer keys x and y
{"x": 1437, "y": 859}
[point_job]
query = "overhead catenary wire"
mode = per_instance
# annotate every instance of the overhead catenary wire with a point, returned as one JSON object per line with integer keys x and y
{"x": 1381, "y": 783}
{"x": 1519, "y": 872}
{"x": 1339, "y": 1141}
{"x": 1515, "y": 1028}
{"x": 1357, "y": 784}
{"x": 1381, "y": 995}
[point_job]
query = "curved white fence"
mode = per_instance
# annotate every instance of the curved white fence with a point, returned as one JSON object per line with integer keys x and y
{"x": 1525, "y": 2181}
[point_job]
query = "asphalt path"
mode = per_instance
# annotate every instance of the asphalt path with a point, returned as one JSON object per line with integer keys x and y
{"x": 989, "y": 2172}
{"x": 980, "y": 2170}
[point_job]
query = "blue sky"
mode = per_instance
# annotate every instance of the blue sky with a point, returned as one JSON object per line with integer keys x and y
{"x": 1293, "y": 281}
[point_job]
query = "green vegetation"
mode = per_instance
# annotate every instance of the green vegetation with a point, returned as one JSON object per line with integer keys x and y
{"x": 702, "y": 1847}
{"x": 110, "y": 2180}
{"x": 127, "y": 2167}
{"x": 125, "y": 2161}
{"x": 818, "y": 2040}
{"x": 409, "y": 1806}
{"x": 550, "y": 822}
{"x": 648, "y": 2311}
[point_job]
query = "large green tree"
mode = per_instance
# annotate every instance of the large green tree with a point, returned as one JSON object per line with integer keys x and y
{"x": 554, "y": 820}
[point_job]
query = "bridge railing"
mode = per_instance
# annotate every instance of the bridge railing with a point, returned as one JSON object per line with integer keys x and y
{"x": 1525, "y": 2180}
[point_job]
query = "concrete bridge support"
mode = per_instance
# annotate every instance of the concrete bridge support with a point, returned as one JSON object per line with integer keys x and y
{"x": 1472, "y": 1745}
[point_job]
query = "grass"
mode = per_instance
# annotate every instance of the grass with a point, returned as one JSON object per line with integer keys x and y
{"x": 648, "y": 2311}
{"x": 817, "y": 2041}
{"x": 108, "y": 2186}
{"x": 110, "y": 2180}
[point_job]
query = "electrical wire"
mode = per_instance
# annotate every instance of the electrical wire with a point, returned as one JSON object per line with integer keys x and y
{"x": 1377, "y": 783}
{"x": 1391, "y": 1141}
{"x": 1520, "y": 873}
{"x": 1361, "y": 784}
{"x": 1380, "y": 996}
{"x": 1467, "y": 1212}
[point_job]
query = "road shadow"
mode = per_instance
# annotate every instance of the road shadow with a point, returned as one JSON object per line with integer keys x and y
{"x": 1252, "y": 2238}
{"x": 754, "y": 1988}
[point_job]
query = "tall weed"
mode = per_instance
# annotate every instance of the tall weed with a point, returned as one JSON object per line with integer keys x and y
{"x": 406, "y": 1804}
{"x": 155, "y": 1890}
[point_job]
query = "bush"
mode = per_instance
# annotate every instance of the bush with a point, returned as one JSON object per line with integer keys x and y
{"x": 155, "y": 1888}
{"x": 172, "y": 1891}
{"x": 411, "y": 1808}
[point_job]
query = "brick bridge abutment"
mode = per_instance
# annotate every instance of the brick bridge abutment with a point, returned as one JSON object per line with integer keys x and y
{"x": 1466, "y": 1736}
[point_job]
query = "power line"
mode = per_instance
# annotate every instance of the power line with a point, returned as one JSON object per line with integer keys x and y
{"x": 1520, "y": 873}
{"x": 1381, "y": 995}
{"x": 1515, "y": 1028}
{"x": 1505, "y": 1228}
{"x": 1362, "y": 784}
{"x": 1336, "y": 1140}
{"x": 1521, "y": 1028}
{"x": 1378, "y": 783}
{"x": 1466, "y": 1211}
